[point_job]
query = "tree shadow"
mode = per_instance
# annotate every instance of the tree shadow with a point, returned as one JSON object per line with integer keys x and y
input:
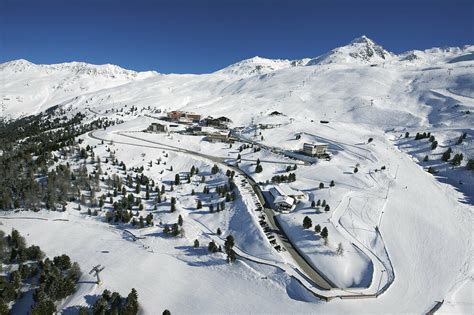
{"x": 210, "y": 259}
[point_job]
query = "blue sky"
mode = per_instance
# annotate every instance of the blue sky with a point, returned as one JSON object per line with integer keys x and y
{"x": 191, "y": 36}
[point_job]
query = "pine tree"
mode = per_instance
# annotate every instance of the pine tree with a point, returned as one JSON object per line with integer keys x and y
{"x": 180, "y": 220}
{"x": 446, "y": 155}
{"x": 176, "y": 179}
{"x": 327, "y": 208}
{"x": 229, "y": 243}
{"x": 199, "y": 204}
{"x": 219, "y": 232}
{"x": 434, "y": 145}
{"x": 457, "y": 159}
{"x": 317, "y": 228}
{"x": 313, "y": 204}
{"x": 196, "y": 243}
{"x": 212, "y": 247}
{"x": 258, "y": 168}
{"x": 324, "y": 233}
{"x": 332, "y": 184}
{"x": 321, "y": 185}
{"x": 307, "y": 223}
{"x": 231, "y": 256}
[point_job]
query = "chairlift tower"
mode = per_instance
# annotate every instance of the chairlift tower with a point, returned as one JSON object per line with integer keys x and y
{"x": 97, "y": 269}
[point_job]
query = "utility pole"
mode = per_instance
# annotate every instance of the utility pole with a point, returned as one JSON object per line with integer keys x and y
{"x": 97, "y": 269}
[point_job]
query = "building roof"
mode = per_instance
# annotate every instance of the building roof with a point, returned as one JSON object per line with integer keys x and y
{"x": 287, "y": 190}
{"x": 315, "y": 143}
{"x": 284, "y": 199}
{"x": 276, "y": 191}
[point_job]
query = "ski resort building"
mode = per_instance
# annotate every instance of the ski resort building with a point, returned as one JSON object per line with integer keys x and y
{"x": 297, "y": 195}
{"x": 175, "y": 115}
{"x": 315, "y": 149}
{"x": 219, "y": 137}
{"x": 156, "y": 127}
{"x": 221, "y": 122}
{"x": 193, "y": 117}
{"x": 194, "y": 130}
{"x": 281, "y": 202}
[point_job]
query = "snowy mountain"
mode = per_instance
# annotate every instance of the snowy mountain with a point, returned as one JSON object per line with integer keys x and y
{"x": 360, "y": 50}
{"x": 396, "y": 231}
{"x": 258, "y": 65}
{"x": 27, "y": 88}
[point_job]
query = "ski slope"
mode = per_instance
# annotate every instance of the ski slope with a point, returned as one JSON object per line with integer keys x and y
{"x": 402, "y": 227}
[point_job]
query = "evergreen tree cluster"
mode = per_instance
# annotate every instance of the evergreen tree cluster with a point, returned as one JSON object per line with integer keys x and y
{"x": 27, "y": 145}
{"x": 52, "y": 280}
{"x": 423, "y": 135}
{"x": 113, "y": 303}
{"x": 284, "y": 178}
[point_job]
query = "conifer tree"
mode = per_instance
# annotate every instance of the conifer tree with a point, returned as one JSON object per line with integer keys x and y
{"x": 307, "y": 223}
{"x": 317, "y": 228}
{"x": 324, "y": 233}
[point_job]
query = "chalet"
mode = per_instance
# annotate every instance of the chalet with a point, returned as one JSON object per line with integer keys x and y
{"x": 315, "y": 149}
{"x": 156, "y": 127}
{"x": 220, "y": 122}
{"x": 193, "y": 117}
{"x": 175, "y": 115}
{"x": 219, "y": 137}
{"x": 194, "y": 130}
{"x": 282, "y": 202}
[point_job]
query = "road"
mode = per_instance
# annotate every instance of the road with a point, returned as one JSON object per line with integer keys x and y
{"x": 315, "y": 275}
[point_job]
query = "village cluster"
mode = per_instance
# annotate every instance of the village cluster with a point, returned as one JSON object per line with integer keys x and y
{"x": 217, "y": 129}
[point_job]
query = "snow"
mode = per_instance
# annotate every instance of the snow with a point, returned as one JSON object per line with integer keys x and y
{"x": 401, "y": 228}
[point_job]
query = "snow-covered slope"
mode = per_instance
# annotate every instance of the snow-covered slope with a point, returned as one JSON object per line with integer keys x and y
{"x": 258, "y": 65}
{"x": 362, "y": 91}
{"x": 360, "y": 50}
{"x": 27, "y": 88}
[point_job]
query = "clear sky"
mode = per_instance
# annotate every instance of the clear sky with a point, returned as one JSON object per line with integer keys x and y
{"x": 191, "y": 36}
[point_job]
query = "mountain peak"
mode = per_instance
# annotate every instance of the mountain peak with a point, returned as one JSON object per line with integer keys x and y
{"x": 362, "y": 40}
{"x": 360, "y": 50}
{"x": 17, "y": 65}
{"x": 255, "y": 65}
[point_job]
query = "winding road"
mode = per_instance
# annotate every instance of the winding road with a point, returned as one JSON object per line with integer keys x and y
{"x": 309, "y": 276}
